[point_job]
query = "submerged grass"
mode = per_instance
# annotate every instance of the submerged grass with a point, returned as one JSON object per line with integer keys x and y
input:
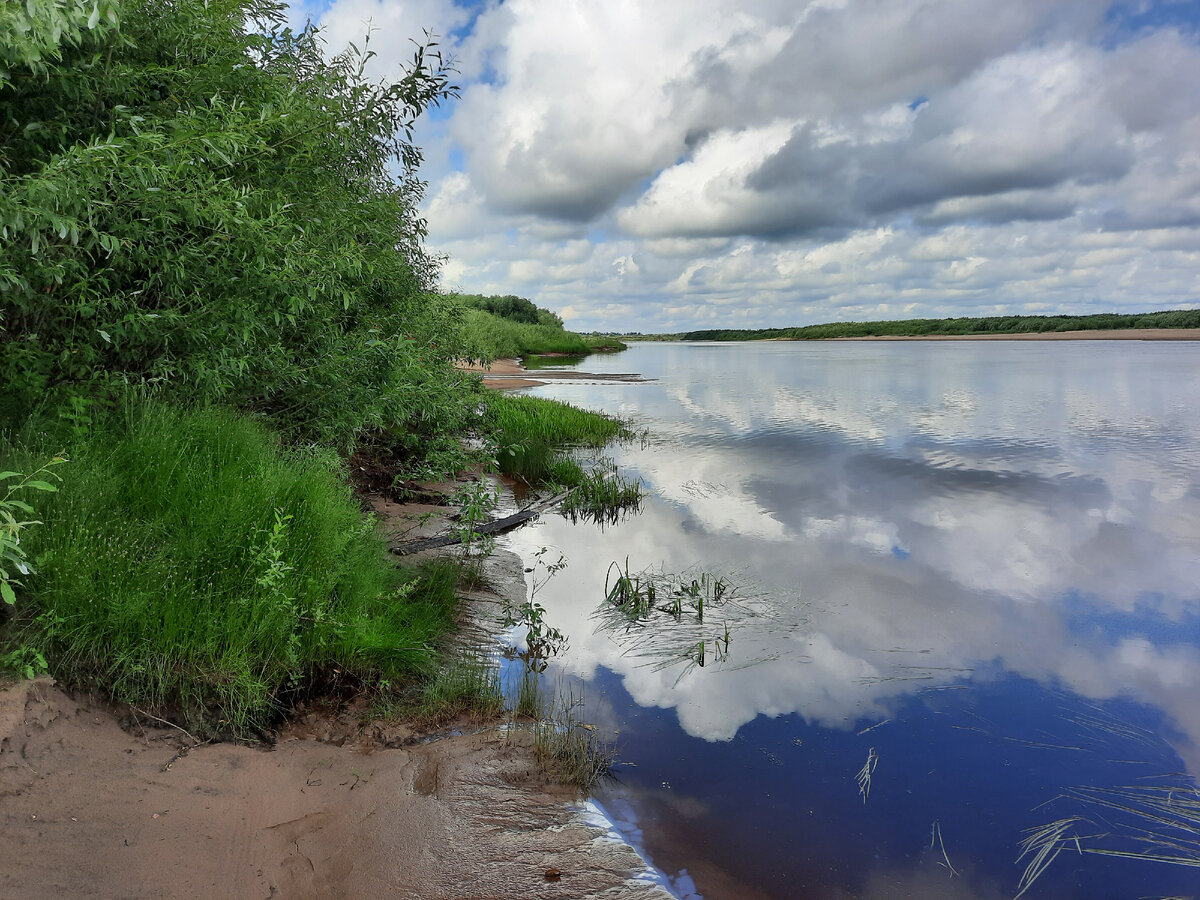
{"x": 190, "y": 565}
{"x": 602, "y": 495}
{"x": 1152, "y": 823}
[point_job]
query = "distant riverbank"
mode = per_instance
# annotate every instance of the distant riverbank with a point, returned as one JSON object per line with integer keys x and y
{"x": 1178, "y": 324}
{"x": 1115, "y": 334}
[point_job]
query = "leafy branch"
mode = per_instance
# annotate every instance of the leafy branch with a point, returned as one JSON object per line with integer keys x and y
{"x": 13, "y": 523}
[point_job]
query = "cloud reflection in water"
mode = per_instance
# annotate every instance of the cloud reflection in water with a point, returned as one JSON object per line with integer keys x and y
{"x": 926, "y": 516}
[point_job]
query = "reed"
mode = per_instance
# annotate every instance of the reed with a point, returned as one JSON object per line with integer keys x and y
{"x": 865, "y": 774}
{"x": 568, "y": 748}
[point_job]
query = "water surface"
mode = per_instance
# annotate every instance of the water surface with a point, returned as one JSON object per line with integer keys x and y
{"x": 969, "y": 569}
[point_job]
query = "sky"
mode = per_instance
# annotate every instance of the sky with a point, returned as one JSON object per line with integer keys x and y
{"x": 667, "y": 165}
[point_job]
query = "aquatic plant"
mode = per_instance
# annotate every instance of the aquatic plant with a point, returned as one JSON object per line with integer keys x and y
{"x": 865, "y": 773}
{"x": 1153, "y": 823}
{"x": 668, "y": 617}
{"x": 569, "y": 748}
{"x": 602, "y": 494}
{"x": 935, "y": 836}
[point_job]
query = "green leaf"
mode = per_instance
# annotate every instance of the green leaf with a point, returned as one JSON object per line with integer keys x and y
{"x": 41, "y": 486}
{"x": 7, "y": 592}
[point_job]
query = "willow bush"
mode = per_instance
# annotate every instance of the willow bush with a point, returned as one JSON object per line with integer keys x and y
{"x": 195, "y": 201}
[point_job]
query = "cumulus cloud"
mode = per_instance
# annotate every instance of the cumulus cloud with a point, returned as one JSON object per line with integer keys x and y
{"x": 774, "y": 163}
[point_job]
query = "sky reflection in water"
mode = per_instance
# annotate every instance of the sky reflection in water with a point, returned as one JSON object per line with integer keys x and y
{"x": 993, "y": 548}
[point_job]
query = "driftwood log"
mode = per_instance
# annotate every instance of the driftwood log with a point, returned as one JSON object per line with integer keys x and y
{"x": 497, "y": 526}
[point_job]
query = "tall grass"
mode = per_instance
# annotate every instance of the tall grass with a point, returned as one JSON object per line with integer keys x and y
{"x": 489, "y": 337}
{"x": 190, "y": 564}
{"x": 532, "y": 430}
{"x": 536, "y": 438}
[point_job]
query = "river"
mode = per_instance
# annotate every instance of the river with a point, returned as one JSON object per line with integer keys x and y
{"x": 935, "y": 600}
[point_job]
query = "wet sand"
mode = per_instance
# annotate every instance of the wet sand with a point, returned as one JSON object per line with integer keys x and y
{"x": 92, "y": 810}
{"x": 510, "y": 372}
{"x": 342, "y": 806}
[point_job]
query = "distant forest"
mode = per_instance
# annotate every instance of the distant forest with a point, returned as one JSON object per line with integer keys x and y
{"x": 1183, "y": 318}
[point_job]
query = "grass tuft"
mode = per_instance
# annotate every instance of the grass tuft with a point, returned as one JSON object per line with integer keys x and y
{"x": 569, "y": 749}
{"x": 190, "y": 565}
{"x": 537, "y": 440}
{"x": 465, "y": 683}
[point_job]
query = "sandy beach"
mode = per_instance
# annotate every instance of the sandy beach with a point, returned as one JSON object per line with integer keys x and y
{"x": 333, "y": 810}
{"x": 510, "y": 372}
{"x": 102, "y": 801}
{"x": 507, "y": 374}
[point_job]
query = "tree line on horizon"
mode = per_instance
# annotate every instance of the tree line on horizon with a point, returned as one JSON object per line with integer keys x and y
{"x": 965, "y": 325}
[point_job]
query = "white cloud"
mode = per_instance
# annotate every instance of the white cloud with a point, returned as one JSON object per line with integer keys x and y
{"x": 775, "y": 163}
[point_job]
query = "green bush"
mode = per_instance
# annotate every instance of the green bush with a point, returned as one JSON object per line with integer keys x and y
{"x": 189, "y": 564}
{"x": 199, "y": 203}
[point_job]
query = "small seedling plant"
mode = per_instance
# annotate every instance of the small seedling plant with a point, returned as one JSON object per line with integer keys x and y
{"x": 542, "y": 640}
{"x": 476, "y": 501}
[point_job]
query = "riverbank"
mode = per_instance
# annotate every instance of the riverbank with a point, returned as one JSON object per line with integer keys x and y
{"x": 507, "y": 374}
{"x": 1115, "y": 334}
{"x": 91, "y": 809}
{"x": 102, "y": 801}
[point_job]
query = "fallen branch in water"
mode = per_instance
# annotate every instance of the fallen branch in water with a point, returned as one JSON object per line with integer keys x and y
{"x": 499, "y": 526}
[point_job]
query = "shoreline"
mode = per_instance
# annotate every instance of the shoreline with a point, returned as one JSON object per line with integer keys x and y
{"x": 100, "y": 800}
{"x": 507, "y": 374}
{"x": 1115, "y": 334}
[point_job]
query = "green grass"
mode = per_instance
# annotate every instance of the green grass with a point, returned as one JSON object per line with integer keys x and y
{"x": 602, "y": 494}
{"x": 191, "y": 565}
{"x": 532, "y": 432}
{"x": 539, "y": 441}
{"x": 490, "y": 337}
{"x": 468, "y": 683}
{"x": 552, "y": 422}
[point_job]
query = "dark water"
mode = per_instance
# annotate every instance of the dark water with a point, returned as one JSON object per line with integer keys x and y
{"x": 971, "y": 569}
